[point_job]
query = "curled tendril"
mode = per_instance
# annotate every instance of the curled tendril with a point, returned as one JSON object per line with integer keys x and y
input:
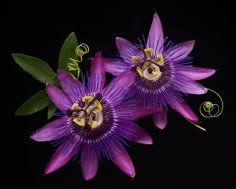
{"x": 208, "y": 109}
{"x": 80, "y": 51}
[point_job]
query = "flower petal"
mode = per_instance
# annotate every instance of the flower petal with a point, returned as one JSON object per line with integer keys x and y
{"x": 134, "y": 110}
{"x": 119, "y": 87}
{"x": 96, "y": 79}
{"x": 184, "y": 110}
{"x": 121, "y": 159}
{"x": 52, "y": 131}
{"x": 115, "y": 66}
{"x": 68, "y": 149}
{"x": 89, "y": 162}
{"x": 196, "y": 73}
{"x": 133, "y": 132}
{"x": 73, "y": 88}
{"x": 156, "y": 37}
{"x": 126, "y": 49}
{"x": 58, "y": 98}
{"x": 160, "y": 119}
{"x": 192, "y": 87}
{"x": 179, "y": 51}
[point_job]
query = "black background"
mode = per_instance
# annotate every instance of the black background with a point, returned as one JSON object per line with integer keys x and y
{"x": 182, "y": 156}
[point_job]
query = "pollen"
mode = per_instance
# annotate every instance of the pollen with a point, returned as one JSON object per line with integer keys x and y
{"x": 149, "y": 51}
{"x": 160, "y": 59}
{"x": 79, "y": 122}
{"x": 75, "y": 106}
{"x": 98, "y": 105}
{"x": 136, "y": 59}
{"x": 87, "y": 99}
{"x": 140, "y": 71}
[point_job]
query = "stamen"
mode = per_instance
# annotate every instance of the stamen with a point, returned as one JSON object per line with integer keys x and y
{"x": 136, "y": 59}
{"x": 98, "y": 105}
{"x": 87, "y": 99}
{"x": 75, "y": 106}
{"x": 148, "y": 52}
{"x": 94, "y": 124}
{"x": 160, "y": 59}
{"x": 79, "y": 122}
{"x": 140, "y": 71}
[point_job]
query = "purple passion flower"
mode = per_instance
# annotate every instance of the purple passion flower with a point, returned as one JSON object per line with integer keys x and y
{"x": 96, "y": 123}
{"x": 163, "y": 72}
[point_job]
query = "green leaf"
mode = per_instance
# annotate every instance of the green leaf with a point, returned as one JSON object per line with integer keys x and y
{"x": 51, "y": 110}
{"x": 34, "y": 104}
{"x": 68, "y": 51}
{"x": 39, "y": 69}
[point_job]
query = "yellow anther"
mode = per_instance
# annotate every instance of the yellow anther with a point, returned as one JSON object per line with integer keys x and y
{"x": 79, "y": 122}
{"x": 149, "y": 51}
{"x": 155, "y": 73}
{"x": 140, "y": 71}
{"x": 160, "y": 59}
{"x": 94, "y": 124}
{"x": 87, "y": 99}
{"x": 98, "y": 105}
{"x": 75, "y": 106}
{"x": 136, "y": 59}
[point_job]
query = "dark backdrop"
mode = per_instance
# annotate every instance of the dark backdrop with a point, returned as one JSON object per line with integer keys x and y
{"x": 182, "y": 156}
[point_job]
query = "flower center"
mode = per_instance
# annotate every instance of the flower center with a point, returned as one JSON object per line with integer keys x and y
{"x": 87, "y": 112}
{"x": 148, "y": 65}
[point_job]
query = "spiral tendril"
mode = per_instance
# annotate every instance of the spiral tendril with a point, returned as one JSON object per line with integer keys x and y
{"x": 73, "y": 66}
{"x": 208, "y": 109}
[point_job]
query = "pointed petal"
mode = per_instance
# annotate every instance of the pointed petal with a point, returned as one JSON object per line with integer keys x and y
{"x": 180, "y": 51}
{"x": 121, "y": 159}
{"x": 58, "y": 98}
{"x": 119, "y": 87}
{"x": 160, "y": 119}
{"x": 73, "y": 88}
{"x": 64, "y": 153}
{"x": 126, "y": 49}
{"x": 52, "y": 131}
{"x": 89, "y": 162}
{"x": 196, "y": 73}
{"x": 192, "y": 87}
{"x": 133, "y": 132}
{"x": 156, "y": 37}
{"x": 134, "y": 110}
{"x": 97, "y": 79}
{"x": 185, "y": 111}
{"x": 115, "y": 66}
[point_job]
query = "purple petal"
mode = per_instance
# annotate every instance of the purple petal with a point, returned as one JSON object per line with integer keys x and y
{"x": 185, "y": 111}
{"x": 119, "y": 87}
{"x": 121, "y": 159}
{"x": 179, "y": 52}
{"x": 89, "y": 162}
{"x": 73, "y": 88}
{"x": 58, "y": 98}
{"x": 96, "y": 79}
{"x": 134, "y": 110}
{"x": 160, "y": 119}
{"x": 192, "y": 87}
{"x": 133, "y": 132}
{"x": 52, "y": 131}
{"x": 196, "y": 73}
{"x": 156, "y": 37}
{"x": 126, "y": 49}
{"x": 64, "y": 153}
{"x": 115, "y": 66}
